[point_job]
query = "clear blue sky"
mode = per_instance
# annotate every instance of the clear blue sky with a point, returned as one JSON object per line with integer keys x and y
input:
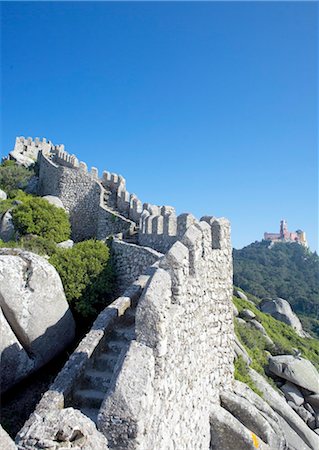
{"x": 210, "y": 107}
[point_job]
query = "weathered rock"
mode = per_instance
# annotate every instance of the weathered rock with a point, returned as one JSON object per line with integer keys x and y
{"x": 312, "y": 423}
{"x": 292, "y": 393}
{"x": 241, "y": 295}
{"x": 36, "y": 311}
{"x": 313, "y": 400}
{"x": 297, "y": 433}
{"x": 265, "y": 426}
{"x": 239, "y": 350}
{"x": 281, "y": 310}
{"x": 54, "y": 201}
{"x": 6, "y": 441}
{"x": 7, "y": 230}
{"x": 299, "y": 371}
{"x": 309, "y": 408}
{"x": 247, "y": 314}
{"x": 16, "y": 363}
{"x": 240, "y": 320}
{"x": 66, "y": 244}
{"x": 228, "y": 433}
{"x": 62, "y": 429}
{"x": 235, "y": 311}
{"x": 3, "y": 195}
{"x": 258, "y": 326}
{"x": 301, "y": 411}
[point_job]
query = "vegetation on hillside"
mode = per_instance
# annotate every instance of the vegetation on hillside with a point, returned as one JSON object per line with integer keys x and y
{"x": 87, "y": 275}
{"x": 39, "y": 217}
{"x": 86, "y": 270}
{"x": 14, "y": 177}
{"x": 285, "y": 341}
{"x": 286, "y": 270}
{"x": 36, "y": 217}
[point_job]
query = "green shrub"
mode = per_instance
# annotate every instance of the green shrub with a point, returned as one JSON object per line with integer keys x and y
{"x": 13, "y": 176}
{"x": 242, "y": 374}
{"x": 34, "y": 244}
{"x": 37, "y": 216}
{"x": 10, "y": 202}
{"x": 87, "y": 276}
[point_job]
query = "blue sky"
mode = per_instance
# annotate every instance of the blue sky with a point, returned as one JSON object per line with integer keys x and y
{"x": 210, "y": 107}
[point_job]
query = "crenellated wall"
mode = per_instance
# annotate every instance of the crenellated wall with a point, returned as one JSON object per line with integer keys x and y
{"x": 162, "y": 229}
{"x": 31, "y": 147}
{"x": 131, "y": 260}
{"x": 81, "y": 193}
{"x": 180, "y": 354}
{"x": 183, "y": 347}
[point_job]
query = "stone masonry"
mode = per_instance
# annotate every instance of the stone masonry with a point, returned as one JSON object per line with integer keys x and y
{"x": 184, "y": 336}
{"x": 150, "y": 372}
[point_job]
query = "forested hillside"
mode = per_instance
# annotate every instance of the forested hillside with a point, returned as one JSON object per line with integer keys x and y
{"x": 286, "y": 270}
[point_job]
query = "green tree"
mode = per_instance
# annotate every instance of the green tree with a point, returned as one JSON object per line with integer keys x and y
{"x": 37, "y": 216}
{"x": 87, "y": 276}
{"x": 13, "y": 176}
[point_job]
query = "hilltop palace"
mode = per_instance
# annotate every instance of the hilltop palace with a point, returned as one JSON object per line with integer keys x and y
{"x": 287, "y": 236}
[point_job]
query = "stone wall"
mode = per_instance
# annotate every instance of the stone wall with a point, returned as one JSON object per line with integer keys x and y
{"x": 78, "y": 191}
{"x": 184, "y": 348}
{"x": 131, "y": 260}
{"x": 110, "y": 223}
{"x": 82, "y": 195}
{"x": 160, "y": 229}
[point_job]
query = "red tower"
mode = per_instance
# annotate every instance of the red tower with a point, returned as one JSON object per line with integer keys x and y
{"x": 284, "y": 233}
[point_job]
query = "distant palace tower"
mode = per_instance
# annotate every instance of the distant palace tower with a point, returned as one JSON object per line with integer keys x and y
{"x": 286, "y": 236}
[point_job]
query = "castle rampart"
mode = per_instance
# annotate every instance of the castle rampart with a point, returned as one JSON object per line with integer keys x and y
{"x": 183, "y": 348}
{"x": 131, "y": 260}
{"x": 102, "y": 207}
{"x": 178, "y": 355}
{"x": 82, "y": 195}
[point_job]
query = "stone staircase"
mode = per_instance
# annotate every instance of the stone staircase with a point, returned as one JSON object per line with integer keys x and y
{"x": 94, "y": 384}
{"x": 131, "y": 237}
{"x": 109, "y": 199}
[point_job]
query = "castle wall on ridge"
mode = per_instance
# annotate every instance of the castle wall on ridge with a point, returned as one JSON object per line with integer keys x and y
{"x": 164, "y": 388}
{"x": 82, "y": 195}
{"x": 183, "y": 348}
{"x": 131, "y": 261}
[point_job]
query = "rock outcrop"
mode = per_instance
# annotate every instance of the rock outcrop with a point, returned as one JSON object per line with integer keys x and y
{"x": 7, "y": 230}
{"x": 53, "y": 200}
{"x": 36, "y": 321}
{"x": 298, "y": 371}
{"x": 297, "y": 433}
{"x": 6, "y": 441}
{"x": 3, "y": 195}
{"x": 63, "y": 429}
{"x": 245, "y": 421}
{"x": 281, "y": 310}
{"x": 66, "y": 244}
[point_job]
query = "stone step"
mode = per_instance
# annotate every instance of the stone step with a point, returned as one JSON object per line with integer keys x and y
{"x": 97, "y": 379}
{"x": 124, "y": 332}
{"x": 89, "y": 398}
{"x": 128, "y": 318}
{"x": 116, "y": 345}
{"x": 106, "y": 361}
{"x": 91, "y": 413}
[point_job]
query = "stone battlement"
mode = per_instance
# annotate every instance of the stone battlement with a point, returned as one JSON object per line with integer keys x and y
{"x": 166, "y": 343}
{"x": 179, "y": 357}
